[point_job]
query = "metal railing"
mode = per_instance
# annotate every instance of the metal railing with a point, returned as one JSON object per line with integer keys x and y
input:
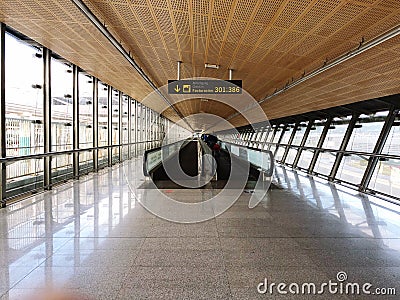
{"x": 153, "y": 158}
{"x": 24, "y": 180}
{"x": 261, "y": 159}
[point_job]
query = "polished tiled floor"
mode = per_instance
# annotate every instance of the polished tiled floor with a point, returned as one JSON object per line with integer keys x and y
{"x": 92, "y": 238}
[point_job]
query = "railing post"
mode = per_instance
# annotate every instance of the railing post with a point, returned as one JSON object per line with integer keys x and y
{"x": 47, "y": 117}
{"x": 95, "y": 124}
{"x": 75, "y": 119}
{"x": 3, "y": 150}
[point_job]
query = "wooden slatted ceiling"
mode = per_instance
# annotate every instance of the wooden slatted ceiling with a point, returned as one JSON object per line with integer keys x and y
{"x": 266, "y": 42}
{"x": 60, "y": 26}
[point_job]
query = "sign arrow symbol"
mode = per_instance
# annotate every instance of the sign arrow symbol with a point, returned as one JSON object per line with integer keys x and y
{"x": 177, "y": 89}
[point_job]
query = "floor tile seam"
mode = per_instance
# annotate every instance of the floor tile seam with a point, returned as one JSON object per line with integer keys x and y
{"x": 16, "y": 283}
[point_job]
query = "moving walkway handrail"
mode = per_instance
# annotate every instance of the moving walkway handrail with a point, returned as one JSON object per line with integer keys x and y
{"x": 153, "y": 158}
{"x": 11, "y": 159}
{"x": 263, "y": 162}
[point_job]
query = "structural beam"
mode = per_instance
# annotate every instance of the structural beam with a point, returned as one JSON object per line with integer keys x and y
{"x": 373, "y": 161}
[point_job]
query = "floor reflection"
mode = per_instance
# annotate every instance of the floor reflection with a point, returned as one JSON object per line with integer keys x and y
{"x": 372, "y": 216}
{"x": 89, "y": 233}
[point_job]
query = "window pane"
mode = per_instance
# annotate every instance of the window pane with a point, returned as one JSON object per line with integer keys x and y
{"x": 285, "y": 139}
{"x": 312, "y": 141}
{"x": 269, "y": 138}
{"x": 61, "y": 118}
{"x": 24, "y": 113}
{"x": 301, "y": 129}
{"x": 125, "y": 126}
{"x": 85, "y": 111}
{"x": 315, "y": 134}
{"x": 324, "y": 163}
{"x": 333, "y": 140}
{"x": 103, "y": 119}
{"x": 291, "y": 156}
{"x": 277, "y": 135}
{"x": 305, "y": 159}
{"x": 85, "y": 121}
{"x": 386, "y": 177}
{"x": 115, "y": 124}
{"x": 392, "y": 145}
{"x": 363, "y": 139}
{"x": 279, "y": 153}
{"x": 287, "y": 134}
{"x": 335, "y": 135}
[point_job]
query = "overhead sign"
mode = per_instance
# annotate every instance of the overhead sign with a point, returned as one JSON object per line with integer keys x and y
{"x": 204, "y": 86}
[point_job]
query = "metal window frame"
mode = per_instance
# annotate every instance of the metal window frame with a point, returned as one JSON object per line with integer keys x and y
{"x": 3, "y": 168}
{"x": 303, "y": 142}
{"x": 280, "y": 138}
{"x": 109, "y": 124}
{"x": 285, "y": 154}
{"x": 343, "y": 146}
{"x": 321, "y": 141}
{"x": 95, "y": 124}
{"x": 380, "y": 144}
{"x": 129, "y": 99}
{"x": 47, "y": 117}
{"x": 120, "y": 128}
{"x": 48, "y": 153}
{"x": 75, "y": 119}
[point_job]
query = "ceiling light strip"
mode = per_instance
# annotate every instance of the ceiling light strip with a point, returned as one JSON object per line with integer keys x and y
{"x": 101, "y": 27}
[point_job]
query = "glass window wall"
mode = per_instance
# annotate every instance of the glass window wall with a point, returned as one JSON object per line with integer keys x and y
{"x": 102, "y": 91}
{"x": 85, "y": 121}
{"x": 23, "y": 114}
{"x": 386, "y": 177}
{"x": 363, "y": 139}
